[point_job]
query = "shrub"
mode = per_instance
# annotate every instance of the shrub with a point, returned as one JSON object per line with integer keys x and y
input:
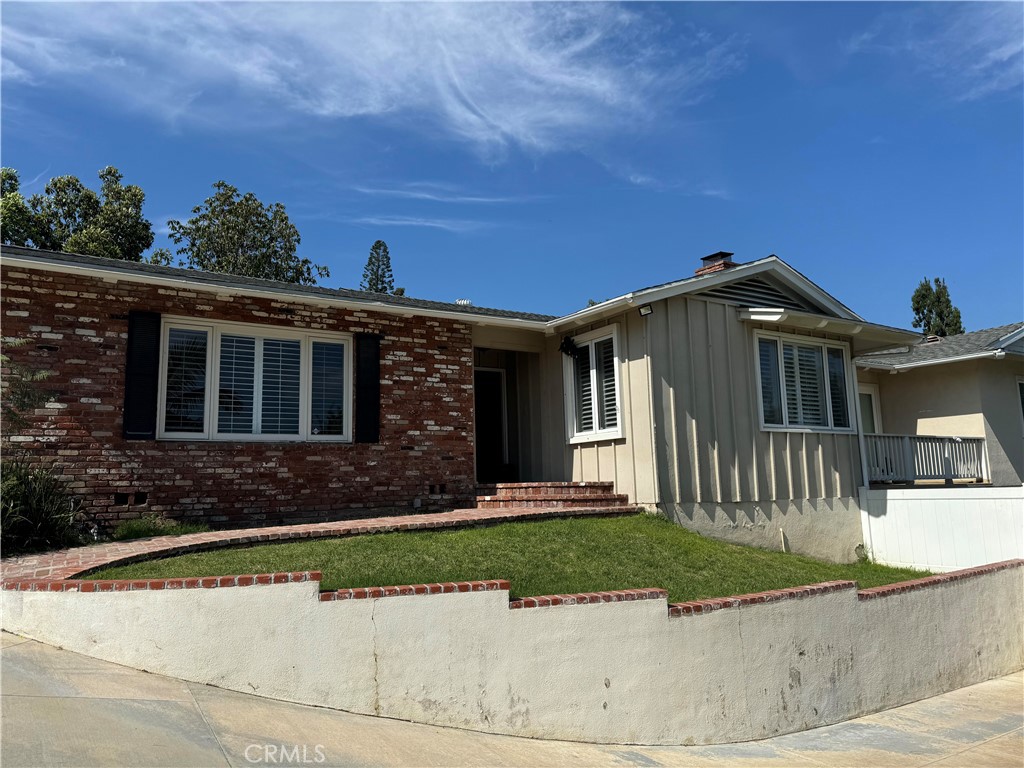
{"x": 152, "y": 525}
{"x": 37, "y": 511}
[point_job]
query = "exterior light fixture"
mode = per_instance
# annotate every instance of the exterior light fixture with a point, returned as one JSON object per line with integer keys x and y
{"x": 646, "y": 310}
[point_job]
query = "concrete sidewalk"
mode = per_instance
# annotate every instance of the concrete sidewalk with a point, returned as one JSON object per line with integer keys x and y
{"x": 63, "y": 709}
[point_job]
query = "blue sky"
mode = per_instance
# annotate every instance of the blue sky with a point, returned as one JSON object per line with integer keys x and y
{"x": 536, "y": 156}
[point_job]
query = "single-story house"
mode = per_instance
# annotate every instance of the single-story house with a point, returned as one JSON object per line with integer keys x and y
{"x": 727, "y": 399}
{"x": 970, "y": 385}
{"x": 944, "y": 450}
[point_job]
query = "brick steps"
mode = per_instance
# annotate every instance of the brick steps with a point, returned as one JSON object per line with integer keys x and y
{"x": 515, "y": 502}
{"x": 548, "y": 495}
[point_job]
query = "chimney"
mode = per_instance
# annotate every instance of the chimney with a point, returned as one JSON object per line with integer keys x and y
{"x": 716, "y": 262}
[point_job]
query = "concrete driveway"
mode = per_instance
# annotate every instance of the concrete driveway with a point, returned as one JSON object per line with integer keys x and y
{"x": 63, "y": 709}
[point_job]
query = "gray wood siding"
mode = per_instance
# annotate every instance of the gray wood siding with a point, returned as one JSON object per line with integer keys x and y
{"x": 711, "y": 447}
{"x": 628, "y": 462}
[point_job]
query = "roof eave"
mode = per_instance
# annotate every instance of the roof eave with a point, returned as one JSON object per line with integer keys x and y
{"x": 871, "y": 332}
{"x": 112, "y": 274}
{"x": 995, "y": 354}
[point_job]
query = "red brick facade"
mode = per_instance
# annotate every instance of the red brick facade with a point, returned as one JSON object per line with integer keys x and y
{"x": 77, "y": 326}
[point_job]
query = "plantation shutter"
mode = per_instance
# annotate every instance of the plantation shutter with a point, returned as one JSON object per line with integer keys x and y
{"x": 837, "y": 388}
{"x": 792, "y": 383}
{"x": 812, "y": 387}
{"x": 771, "y": 397}
{"x": 281, "y": 387}
{"x": 604, "y": 352}
{"x": 237, "y": 387}
{"x": 367, "y": 415}
{"x": 142, "y": 376}
{"x": 584, "y": 391}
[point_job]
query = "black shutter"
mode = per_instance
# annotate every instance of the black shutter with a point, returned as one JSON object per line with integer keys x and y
{"x": 142, "y": 376}
{"x": 367, "y": 388}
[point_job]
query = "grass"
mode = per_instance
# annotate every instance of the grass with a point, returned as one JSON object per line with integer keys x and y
{"x": 539, "y": 558}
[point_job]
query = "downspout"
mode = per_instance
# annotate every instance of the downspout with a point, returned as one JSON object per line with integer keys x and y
{"x": 865, "y": 527}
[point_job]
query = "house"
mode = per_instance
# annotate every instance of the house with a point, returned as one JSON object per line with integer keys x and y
{"x": 944, "y": 447}
{"x": 727, "y": 399}
{"x": 967, "y": 385}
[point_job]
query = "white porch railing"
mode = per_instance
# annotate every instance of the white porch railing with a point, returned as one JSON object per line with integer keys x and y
{"x": 908, "y": 458}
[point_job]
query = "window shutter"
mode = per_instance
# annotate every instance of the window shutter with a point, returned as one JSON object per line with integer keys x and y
{"x": 812, "y": 386}
{"x": 142, "y": 376}
{"x": 609, "y": 408}
{"x": 771, "y": 397}
{"x": 281, "y": 391}
{"x": 367, "y": 385}
{"x": 584, "y": 391}
{"x": 792, "y": 385}
{"x": 837, "y": 389}
{"x": 237, "y": 385}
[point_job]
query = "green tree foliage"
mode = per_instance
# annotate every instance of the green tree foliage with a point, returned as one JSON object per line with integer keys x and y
{"x": 16, "y": 221}
{"x": 934, "y": 312}
{"x": 69, "y": 216}
{"x": 377, "y": 275}
{"x": 238, "y": 235}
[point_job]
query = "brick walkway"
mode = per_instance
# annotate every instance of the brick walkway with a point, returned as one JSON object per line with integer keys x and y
{"x": 65, "y": 564}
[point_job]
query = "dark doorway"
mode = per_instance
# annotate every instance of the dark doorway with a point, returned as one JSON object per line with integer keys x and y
{"x": 490, "y": 397}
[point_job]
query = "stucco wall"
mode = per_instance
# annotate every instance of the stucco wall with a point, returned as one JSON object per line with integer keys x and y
{"x": 974, "y": 398}
{"x": 606, "y": 672}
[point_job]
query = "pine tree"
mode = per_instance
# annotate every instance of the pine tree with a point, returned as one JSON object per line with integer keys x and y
{"x": 934, "y": 312}
{"x": 377, "y": 276}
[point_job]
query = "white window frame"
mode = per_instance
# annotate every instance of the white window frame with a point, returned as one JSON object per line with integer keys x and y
{"x": 864, "y": 388}
{"x": 569, "y": 387}
{"x": 824, "y": 344}
{"x": 214, "y": 331}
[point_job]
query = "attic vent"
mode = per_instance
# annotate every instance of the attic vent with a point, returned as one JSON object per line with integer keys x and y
{"x": 759, "y": 292}
{"x": 464, "y": 302}
{"x": 932, "y": 339}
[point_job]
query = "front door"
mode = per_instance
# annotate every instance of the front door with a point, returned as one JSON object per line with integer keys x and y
{"x": 491, "y": 425}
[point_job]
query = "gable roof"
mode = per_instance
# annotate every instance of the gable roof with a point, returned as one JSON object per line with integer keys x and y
{"x": 781, "y": 275}
{"x": 989, "y": 342}
{"x": 154, "y": 273}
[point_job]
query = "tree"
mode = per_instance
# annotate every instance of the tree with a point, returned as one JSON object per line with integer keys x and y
{"x": 16, "y": 221}
{"x": 238, "y": 235}
{"x": 934, "y": 312}
{"x": 69, "y": 216}
{"x": 377, "y": 275}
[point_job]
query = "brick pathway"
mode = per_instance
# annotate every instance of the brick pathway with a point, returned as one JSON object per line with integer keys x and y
{"x": 65, "y": 564}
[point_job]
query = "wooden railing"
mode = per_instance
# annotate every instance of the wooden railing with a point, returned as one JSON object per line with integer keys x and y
{"x": 909, "y": 458}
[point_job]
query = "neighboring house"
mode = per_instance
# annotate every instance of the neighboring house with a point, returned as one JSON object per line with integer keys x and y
{"x": 945, "y": 449}
{"x": 727, "y": 399}
{"x": 969, "y": 385}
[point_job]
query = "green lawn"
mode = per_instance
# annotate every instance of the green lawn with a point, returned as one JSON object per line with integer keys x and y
{"x": 539, "y": 558}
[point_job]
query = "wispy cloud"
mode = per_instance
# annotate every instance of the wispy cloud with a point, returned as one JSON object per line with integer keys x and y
{"x": 537, "y": 77}
{"x": 437, "y": 193}
{"x": 974, "y": 49}
{"x": 449, "y": 225}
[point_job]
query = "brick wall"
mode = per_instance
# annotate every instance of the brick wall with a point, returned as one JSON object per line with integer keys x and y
{"x": 77, "y": 327}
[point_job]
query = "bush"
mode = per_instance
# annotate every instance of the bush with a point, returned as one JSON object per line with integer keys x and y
{"x": 37, "y": 512}
{"x": 151, "y": 525}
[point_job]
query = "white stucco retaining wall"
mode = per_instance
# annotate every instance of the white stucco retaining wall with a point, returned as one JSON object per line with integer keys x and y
{"x": 941, "y": 528}
{"x": 612, "y": 672}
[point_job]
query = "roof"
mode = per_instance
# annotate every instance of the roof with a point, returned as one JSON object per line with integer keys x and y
{"x": 989, "y": 342}
{"x": 218, "y": 280}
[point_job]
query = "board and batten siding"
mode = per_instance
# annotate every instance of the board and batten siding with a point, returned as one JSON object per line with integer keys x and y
{"x": 628, "y": 462}
{"x": 692, "y": 443}
{"x": 712, "y": 448}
